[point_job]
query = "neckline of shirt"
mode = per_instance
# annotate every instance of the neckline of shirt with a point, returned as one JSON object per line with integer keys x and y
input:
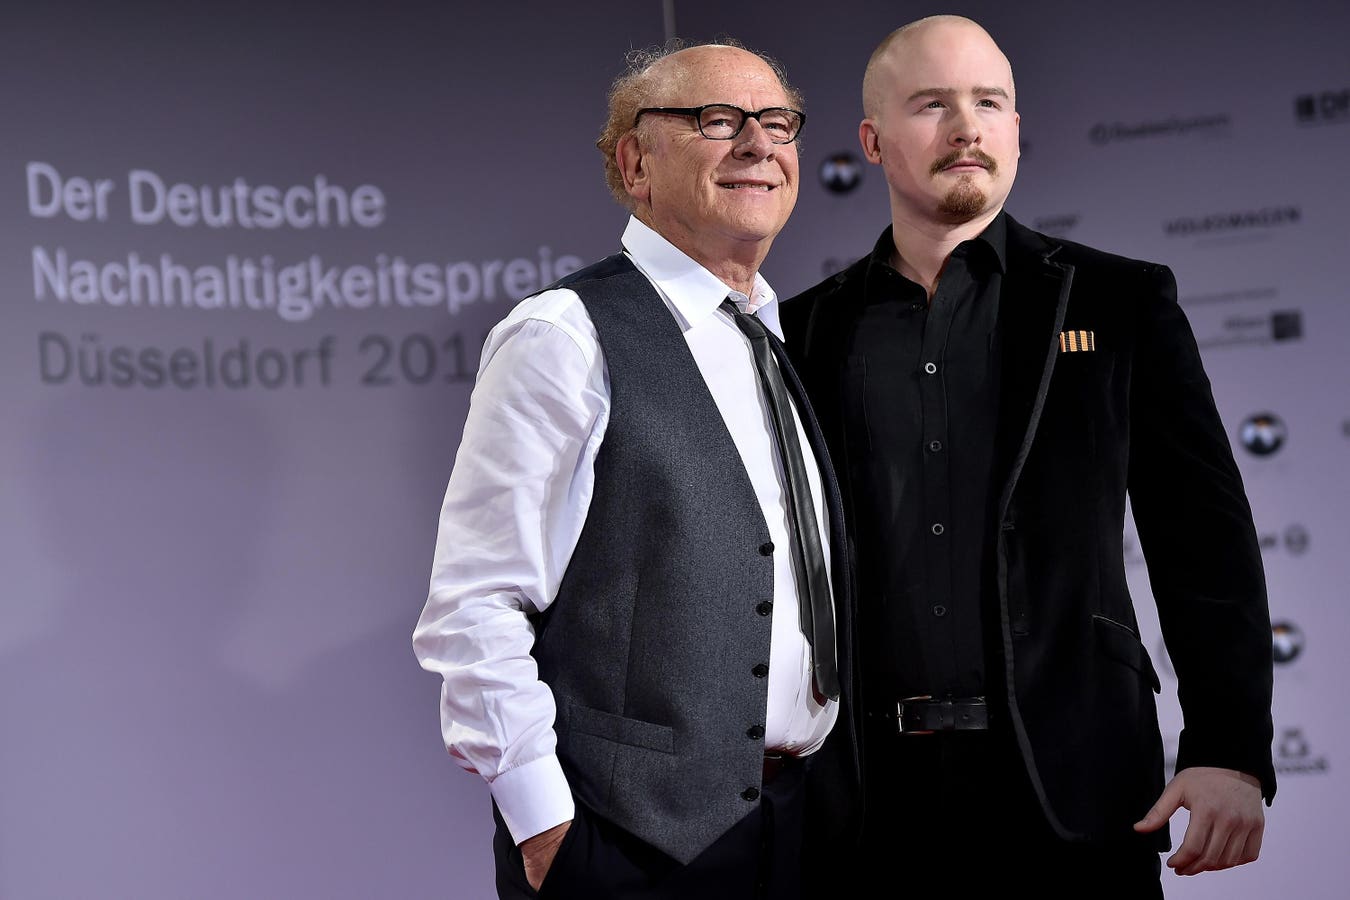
{"x": 691, "y": 291}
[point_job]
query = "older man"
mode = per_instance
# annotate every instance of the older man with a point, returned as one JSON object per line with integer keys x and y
{"x": 631, "y": 599}
{"x": 991, "y": 394}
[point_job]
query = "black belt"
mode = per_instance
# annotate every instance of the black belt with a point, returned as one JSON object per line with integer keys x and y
{"x": 928, "y": 715}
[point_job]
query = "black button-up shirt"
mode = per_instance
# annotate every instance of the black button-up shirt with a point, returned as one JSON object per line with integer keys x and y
{"x": 922, "y": 411}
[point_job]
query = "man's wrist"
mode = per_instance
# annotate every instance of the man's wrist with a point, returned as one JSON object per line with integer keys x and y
{"x": 533, "y": 798}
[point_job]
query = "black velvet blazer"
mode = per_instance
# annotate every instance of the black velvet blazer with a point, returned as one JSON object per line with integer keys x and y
{"x": 1103, "y": 395}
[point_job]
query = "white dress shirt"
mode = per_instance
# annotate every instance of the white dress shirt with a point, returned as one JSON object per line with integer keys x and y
{"x": 518, "y": 497}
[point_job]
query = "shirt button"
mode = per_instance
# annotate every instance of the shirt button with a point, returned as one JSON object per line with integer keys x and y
{"x": 750, "y": 793}
{"x": 935, "y": 446}
{"x": 930, "y": 368}
{"x": 764, "y": 607}
{"x": 755, "y": 732}
{"x": 937, "y": 528}
{"x": 766, "y": 548}
{"x": 939, "y": 610}
{"x": 760, "y": 670}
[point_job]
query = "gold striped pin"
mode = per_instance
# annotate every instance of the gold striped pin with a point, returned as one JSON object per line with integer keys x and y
{"x": 1076, "y": 341}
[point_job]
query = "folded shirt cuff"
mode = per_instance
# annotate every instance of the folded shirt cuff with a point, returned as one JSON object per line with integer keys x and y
{"x": 533, "y": 798}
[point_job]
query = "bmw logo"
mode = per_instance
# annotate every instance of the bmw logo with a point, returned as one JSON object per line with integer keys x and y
{"x": 840, "y": 173}
{"x": 1263, "y": 433}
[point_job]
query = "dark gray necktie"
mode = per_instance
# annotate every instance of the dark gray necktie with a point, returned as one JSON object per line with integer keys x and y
{"x": 808, "y": 557}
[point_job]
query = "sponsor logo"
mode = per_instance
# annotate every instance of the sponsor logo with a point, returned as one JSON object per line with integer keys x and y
{"x": 1286, "y": 642}
{"x": 1323, "y": 108}
{"x": 1294, "y": 754}
{"x": 841, "y": 173}
{"x": 1263, "y": 328}
{"x": 1216, "y": 125}
{"x": 1058, "y": 225}
{"x": 1243, "y": 220}
{"x": 1286, "y": 325}
{"x": 1263, "y": 433}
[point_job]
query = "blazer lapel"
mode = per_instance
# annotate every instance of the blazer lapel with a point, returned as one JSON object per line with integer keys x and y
{"x": 1032, "y": 303}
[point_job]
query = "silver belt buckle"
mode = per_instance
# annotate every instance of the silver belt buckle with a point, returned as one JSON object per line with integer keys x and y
{"x": 900, "y": 713}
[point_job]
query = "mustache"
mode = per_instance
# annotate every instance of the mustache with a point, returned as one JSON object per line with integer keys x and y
{"x": 956, "y": 156}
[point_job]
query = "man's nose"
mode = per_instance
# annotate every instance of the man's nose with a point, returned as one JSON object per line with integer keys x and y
{"x": 965, "y": 129}
{"x": 753, "y": 142}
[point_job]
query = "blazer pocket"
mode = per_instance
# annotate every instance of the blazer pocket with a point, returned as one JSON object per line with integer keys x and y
{"x": 1121, "y": 644}
{"x": 621, "y": 730}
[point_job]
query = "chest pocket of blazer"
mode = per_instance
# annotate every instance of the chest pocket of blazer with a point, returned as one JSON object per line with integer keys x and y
{"x": 1078, "y": 408}
{"x": 1083, "y": 374}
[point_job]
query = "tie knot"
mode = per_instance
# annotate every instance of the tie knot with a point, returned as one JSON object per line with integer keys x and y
{"x": 750, "y": 325}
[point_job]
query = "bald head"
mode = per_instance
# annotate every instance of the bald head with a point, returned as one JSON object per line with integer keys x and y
{"x": 685, "y": 70}
{"x": 915, "y": 45}
{"x": 942, "y": 123}
{"x": 656, "y": 76}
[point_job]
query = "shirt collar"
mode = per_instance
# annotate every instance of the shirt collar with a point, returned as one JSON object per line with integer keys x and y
{"x": 691, "y": 292}
{"x": 992, "y": 243}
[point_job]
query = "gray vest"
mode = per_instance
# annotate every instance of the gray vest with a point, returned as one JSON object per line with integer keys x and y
{"x": 654, "y": 648}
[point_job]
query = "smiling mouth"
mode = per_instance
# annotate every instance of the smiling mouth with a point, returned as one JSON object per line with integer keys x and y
{"x": 747, "y": 185}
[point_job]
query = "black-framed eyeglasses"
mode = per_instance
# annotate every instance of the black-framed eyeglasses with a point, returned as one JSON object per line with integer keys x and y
{"x": 722, "y": 121}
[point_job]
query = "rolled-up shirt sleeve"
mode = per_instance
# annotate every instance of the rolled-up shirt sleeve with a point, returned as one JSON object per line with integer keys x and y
{"x": 514, "y": 508}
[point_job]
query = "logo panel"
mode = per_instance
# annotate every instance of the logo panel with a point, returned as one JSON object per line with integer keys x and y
{"x": 841, "y": 173}
{"x": 1263, "y": 433}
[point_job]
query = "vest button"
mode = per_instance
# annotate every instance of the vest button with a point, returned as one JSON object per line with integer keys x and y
{"x": 764, "y": 607}
{"x": 766, "y": 548}
{"x": 760, "y": 670}
{"x": 750, "y": 793}
{"x": 755, "y": 732}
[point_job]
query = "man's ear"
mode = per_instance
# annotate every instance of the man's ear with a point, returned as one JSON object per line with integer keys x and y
{"x": 871, "y": 142}
{"x": 631, "y": 157}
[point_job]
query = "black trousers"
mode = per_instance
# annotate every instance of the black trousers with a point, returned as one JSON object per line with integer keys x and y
{"x": 952, "y": 810}
{"x": 759, "y": 858}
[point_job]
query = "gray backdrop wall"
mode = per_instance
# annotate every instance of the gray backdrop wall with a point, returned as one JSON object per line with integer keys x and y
{"x": 249, "y": 255}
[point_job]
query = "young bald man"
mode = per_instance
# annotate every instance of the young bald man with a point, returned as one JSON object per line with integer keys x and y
{"x": 990, "y": 396}
{"x": 632, "y": 604}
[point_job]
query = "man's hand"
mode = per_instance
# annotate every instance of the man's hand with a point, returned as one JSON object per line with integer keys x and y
{"x": 1226, "y": 818}
{"x": 538, "y": 852}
